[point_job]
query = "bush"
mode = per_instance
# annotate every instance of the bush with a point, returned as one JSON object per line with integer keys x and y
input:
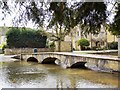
{"x": 113, "y": 45}
{"x": 84, "y": 43}
{"x": 22, "y": 38}
{"x": 94, "y": 48}
{"x": 3, "y": 46}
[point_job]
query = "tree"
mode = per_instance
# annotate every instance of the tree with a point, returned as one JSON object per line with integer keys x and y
{"x": 63, "y": 16}
{"x": 115, "y": 26}
{"x": 83, "y": 43}
{"x": 63, "y": 20}
{"x": 91, "y": 16}
{"x": 25, "y": 11}
{"x": 57, "y": 21}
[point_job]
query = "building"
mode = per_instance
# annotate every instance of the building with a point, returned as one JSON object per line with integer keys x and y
{"x": 99, "y": 40}
{"x": 3, "y": 31}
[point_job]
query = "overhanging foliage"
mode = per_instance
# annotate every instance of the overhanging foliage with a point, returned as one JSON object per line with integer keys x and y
{"x": 115, "y": 26}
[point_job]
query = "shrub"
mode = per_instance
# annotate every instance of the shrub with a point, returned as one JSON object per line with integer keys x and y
{"x": 113, "y": 45}
{"x": 94, "y": 48}
{"x": 3, "y": 46}
{"x": 84, "y": 43}
{"x": 22, "y": 38}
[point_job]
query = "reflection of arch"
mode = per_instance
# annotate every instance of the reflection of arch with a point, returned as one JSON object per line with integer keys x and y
{"x": 32, "y": 59}
{"x": 49, "y": 60}
{"x": 79, "y": 65}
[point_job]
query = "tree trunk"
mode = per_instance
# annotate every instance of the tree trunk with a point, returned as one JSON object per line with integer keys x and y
{"x": 60, "y": 39}
{"x": 71, "y": 42}
{"x": 119, "y": 46}
{"x": 91, "y": 41}
{"x": 59, "y": 46}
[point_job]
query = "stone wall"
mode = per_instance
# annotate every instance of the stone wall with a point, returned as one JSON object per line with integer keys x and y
{"x": 65, "y": 46}
{"x": 1, "y": 51}
{"x": 14, "y": 51}
{"x": 119, "y": 46}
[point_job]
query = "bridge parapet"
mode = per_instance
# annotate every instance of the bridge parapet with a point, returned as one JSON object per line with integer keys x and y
{"x": 68, "y": 59}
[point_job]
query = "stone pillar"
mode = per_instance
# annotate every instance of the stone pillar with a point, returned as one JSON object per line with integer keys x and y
{"x": 119, "y": 46}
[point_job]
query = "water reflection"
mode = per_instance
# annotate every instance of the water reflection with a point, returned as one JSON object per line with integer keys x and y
{"x": 34, "y": 75}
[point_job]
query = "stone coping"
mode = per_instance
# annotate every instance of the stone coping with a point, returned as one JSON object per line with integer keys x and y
{"x": 91, "y": 51}
{"x": 104, "y": 57}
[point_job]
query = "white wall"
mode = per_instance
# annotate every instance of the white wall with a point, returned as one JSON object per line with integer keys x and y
{"x": 2, "y": 39}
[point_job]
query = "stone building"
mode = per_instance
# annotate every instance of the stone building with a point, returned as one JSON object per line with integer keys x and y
{"x": 3, "y": 31}
{"x": 99, "y": 40}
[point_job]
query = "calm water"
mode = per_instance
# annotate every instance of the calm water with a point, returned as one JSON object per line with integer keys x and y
{"x": 34, "y": 75}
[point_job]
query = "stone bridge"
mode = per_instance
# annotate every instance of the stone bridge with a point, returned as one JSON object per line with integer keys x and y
{"x": 67, "y": 60}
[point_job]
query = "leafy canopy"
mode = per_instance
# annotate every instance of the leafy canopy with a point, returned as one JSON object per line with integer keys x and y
{"x": 91, "y": 15}
{"x": 115, "y": 26}
{"x": 66, "y": 14}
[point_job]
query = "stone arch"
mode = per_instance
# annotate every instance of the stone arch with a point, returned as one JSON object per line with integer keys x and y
{"x": 79, "y": 65}
{"x": 32, "y": 59}
{"x": 50, "y": 60}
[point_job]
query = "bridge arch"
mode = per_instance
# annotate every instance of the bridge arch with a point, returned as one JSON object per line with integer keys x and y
{"x": 32, "y": 59}
{"x": 79, "y": 65}
{"x": 51, "y": 60}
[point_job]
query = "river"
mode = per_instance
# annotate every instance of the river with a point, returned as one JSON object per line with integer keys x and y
{"x": 34, "y": 75}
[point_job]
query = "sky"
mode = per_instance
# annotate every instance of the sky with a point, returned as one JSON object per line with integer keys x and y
{"x": 8, "y": 20}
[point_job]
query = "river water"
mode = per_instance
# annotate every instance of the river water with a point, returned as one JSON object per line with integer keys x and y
{"x": 33, "y": 75}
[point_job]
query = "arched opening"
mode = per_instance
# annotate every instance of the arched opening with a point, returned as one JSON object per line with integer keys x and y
{"x": 49, "y": 61}
{"x": 79, "y": 65}
{"x": 32, "y": 59}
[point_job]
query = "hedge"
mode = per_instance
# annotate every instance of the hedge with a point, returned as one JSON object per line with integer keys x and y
{"x": 25, "y": 38}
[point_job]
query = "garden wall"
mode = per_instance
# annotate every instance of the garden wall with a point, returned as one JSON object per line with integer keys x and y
{"x": 14, "y": 51}
{"x": 65, "y": 46}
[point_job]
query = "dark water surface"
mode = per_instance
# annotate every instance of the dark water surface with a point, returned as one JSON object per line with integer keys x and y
{"x": 33, "y": 75}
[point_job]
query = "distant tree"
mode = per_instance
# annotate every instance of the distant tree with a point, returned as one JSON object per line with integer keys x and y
{"x": 62, "y": 16}
{"x": 58, "y": 9}
{"x": 63, "y": 20}
{"x": 115, "y": 26}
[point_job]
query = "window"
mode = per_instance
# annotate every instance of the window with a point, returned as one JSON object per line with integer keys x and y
{"x": 77, "y": 33}
{"x": 102, "y": 43}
